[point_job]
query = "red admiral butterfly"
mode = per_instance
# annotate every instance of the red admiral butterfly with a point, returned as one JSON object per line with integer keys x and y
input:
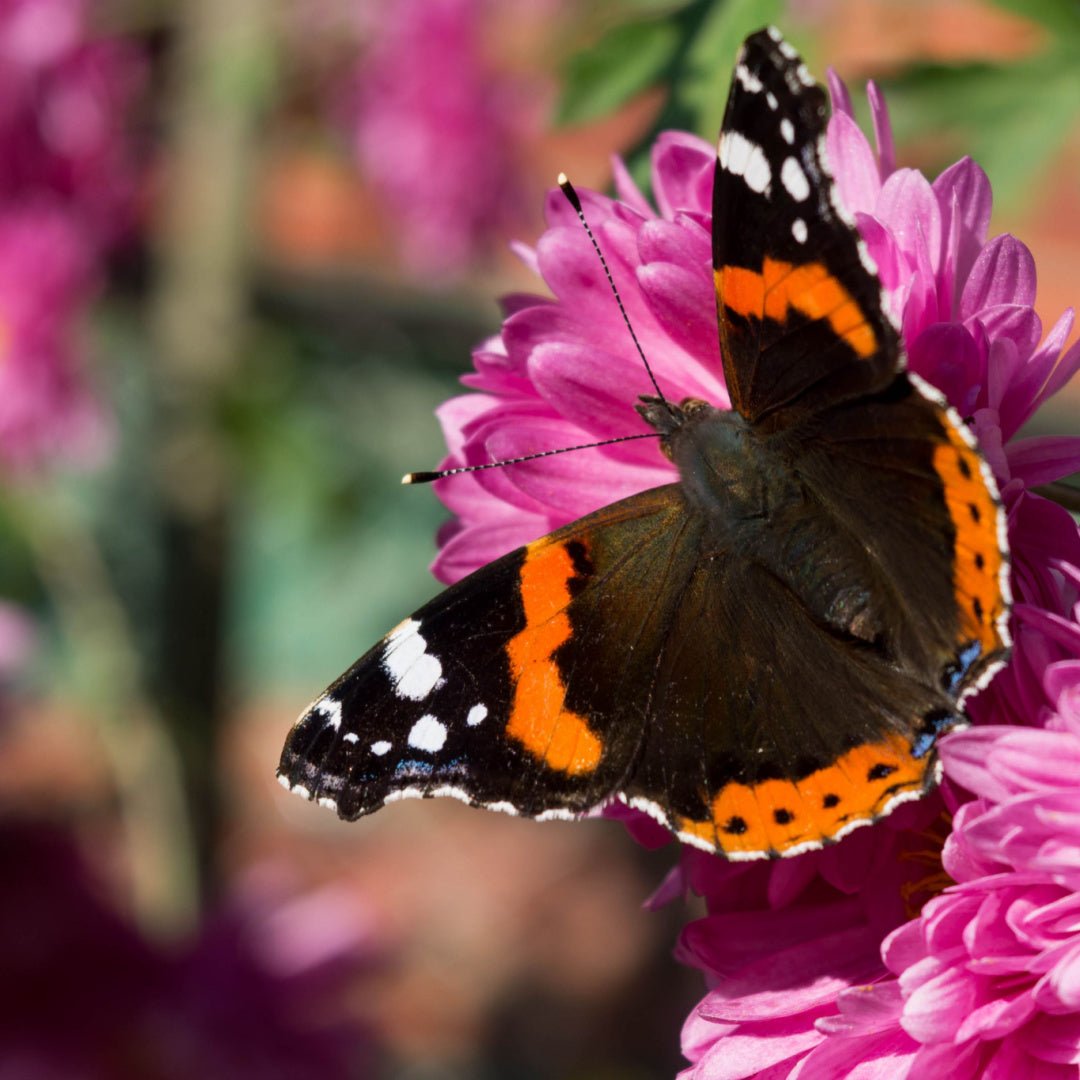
{"x": 761, "y": 656}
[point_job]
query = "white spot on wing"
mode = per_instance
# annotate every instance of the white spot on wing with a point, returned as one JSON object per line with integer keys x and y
{"x": 787, "y": 129}
{"x": 770, "y": 97}
{"x": 381, "y": 747}
{"x": 477, "y": 714}
{"x": 331, "y": 709}
{"x": 427, "y": 734}
{"x": 741, "y": 157}
{"x": 747, "y": 79}
{"x": 329, "y": 803}
{"x": 415, "y": 671}
{"x": 351, "y": 737}
{"x": 794, "y": 180}
{"x": 798, "y": 230}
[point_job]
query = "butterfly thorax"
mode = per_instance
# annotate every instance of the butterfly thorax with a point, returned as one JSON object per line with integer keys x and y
{"x": 731, "y": 473}
{"x": 746, "y": 485}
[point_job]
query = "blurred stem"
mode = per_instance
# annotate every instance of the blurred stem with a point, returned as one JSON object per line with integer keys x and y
{"x": 219, "y": 80}
{"x": 144, "y": 766}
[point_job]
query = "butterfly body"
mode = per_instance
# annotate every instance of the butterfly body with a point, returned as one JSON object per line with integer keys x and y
{"x": 762, "y": 655}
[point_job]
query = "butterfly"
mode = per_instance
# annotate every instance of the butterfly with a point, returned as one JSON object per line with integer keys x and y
{"x": 761, "y": 656}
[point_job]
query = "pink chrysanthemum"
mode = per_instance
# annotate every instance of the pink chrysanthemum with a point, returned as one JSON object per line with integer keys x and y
{"x": 67, "y": 193}
{"x": 438, "y": 129}
{"x": 45, "y": 281}
{"x": 977, "y": 974}
{"x": 64, "y": 126}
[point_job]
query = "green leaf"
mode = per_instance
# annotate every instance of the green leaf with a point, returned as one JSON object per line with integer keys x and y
{"x": 629, "y": 59}
{"x": 1058, "y": 16}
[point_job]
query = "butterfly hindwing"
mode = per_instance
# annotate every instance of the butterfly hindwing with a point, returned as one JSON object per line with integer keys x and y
{"x": 801, "y": 315}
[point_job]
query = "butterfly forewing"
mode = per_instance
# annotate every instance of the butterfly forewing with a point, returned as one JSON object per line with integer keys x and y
{"x": 801, "y": 316}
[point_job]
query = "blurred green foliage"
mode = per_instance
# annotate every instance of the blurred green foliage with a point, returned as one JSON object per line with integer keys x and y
{"x": 1013, "y": 118}
{"x": 687, "y": 48}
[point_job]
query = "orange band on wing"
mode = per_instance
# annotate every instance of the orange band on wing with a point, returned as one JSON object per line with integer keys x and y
{"x": 777, "y": 815}
{"x": 558, "y": 737}
{"x": 978, "y": 556}
{"x": 809, "y": 289}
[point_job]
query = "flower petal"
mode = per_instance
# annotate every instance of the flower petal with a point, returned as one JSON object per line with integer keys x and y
{"x": 1003, "y": 273}
{"x": 1043, "y": 459}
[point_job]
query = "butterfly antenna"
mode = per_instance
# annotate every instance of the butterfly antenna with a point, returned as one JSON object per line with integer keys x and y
{"x": 575, "y": 202}
{"x": 427, "y": 477}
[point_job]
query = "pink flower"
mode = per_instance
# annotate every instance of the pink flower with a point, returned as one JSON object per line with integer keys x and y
{"x": 64, "y": 105}
{"x": 438, "y": 130}
{"x": 45, "y": 281}
{"x": 800, "y": 983}
{"x": 67, "y": 193}
{"x": 257, "y": 993}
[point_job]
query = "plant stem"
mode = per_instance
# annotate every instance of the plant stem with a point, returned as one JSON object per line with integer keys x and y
{"x": 142, "y": 757}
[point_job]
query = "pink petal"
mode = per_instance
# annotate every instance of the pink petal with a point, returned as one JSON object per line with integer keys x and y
{"x": 1011, "y": 1060}
{"x": 1028, "y": 391}
{"x": 1004, "y": 273}
{"x": 1017, "y": 322}
{"x": 1066, "y": 368}
{"x": 883, "y": 135}
{"x": 935, "y": 1009}
{"x": 795, "y": 980}
{"x": 838, "y": 92}
{"x": 627, "y": 190}
{"x": 568, "y": 485}
{"x": 890, "y": 263}
{"x": 852, "y": 164}
{"x": 866, "y": 1010}
{"x": 945, "y": 354}
{"x": 997, "y": 1018}
{"x": 1058, "y": 991}
{"x": 910, "y": 209}
{"x": 888, "y": 1056}
{"x": 740, "y": 1056}
{"x": 477, "y": 545}
{"x": 1043, "y": 459}
{"x": 728, "y": 942}
{"x": 683, "y": 306}
{"x": 964, "y": 195}
{"x": 682, "y": 173}
{"x": 589, "y": 388}
{"x": 904, "y": 947}
{"x": 965, "y": 758}
{"x": 1054, "y": 1039}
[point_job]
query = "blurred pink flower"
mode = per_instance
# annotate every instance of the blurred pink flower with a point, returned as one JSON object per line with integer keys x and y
{"x": 789, "y": 948}
{"x": 65, "y": 104}
{"x": 438, "y": 131}
{"x": 46, "y": 409}
{"x": 67, "y": 193}
{"x": 256, "y": 994}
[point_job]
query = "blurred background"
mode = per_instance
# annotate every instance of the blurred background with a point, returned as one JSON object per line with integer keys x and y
{"x": 232, "y": 290}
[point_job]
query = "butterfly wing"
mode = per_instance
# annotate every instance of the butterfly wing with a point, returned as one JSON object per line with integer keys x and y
{"x": 813, "y": 359}
{"x": 801, "y": 316}
{"x": 471, "y": 696}
{"x": 625, "y": 656}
